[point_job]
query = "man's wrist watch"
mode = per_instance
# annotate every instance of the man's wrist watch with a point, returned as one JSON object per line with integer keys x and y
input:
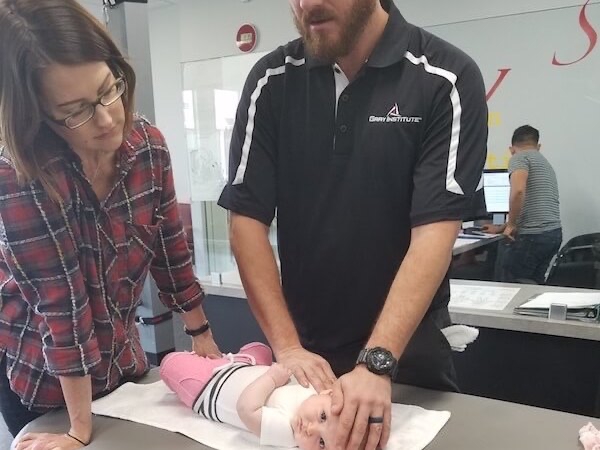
{"x": 378, "y": 360}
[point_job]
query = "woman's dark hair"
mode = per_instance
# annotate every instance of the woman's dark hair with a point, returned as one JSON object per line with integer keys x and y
{"x": 33, "y": 35}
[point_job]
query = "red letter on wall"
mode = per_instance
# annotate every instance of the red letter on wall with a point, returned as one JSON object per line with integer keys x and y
{"x": 591, "y": 34}
{"x": 501, "y": 77}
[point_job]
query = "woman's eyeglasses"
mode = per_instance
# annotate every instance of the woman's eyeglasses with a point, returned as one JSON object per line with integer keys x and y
{"x": 87, "y": 112}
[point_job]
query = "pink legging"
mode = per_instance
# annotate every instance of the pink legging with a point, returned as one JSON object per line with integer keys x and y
{"x": 186, "y": 373}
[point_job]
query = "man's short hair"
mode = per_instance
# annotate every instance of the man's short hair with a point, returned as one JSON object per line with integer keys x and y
{"x": 525, "y": 134}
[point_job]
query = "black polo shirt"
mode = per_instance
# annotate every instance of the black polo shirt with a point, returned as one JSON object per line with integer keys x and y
{"x": 404, "y": 145}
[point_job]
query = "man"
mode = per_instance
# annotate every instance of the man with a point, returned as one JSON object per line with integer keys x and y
{"x": 368, "y": 137}
{"x": 533, "y": 230}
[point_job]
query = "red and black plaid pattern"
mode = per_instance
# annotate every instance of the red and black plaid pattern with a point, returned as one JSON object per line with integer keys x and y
{"x": 71, "y": 274}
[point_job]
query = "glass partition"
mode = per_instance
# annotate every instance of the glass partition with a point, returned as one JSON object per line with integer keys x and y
{"x": 211, "y": 91}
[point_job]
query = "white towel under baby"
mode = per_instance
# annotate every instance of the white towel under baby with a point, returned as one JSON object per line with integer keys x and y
{"x": 413, "y": 427}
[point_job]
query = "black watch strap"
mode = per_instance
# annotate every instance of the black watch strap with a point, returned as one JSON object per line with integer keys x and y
{"x": 378, "y": 360}
{"x": 362, "y": 356}
{"x": 198, "y": 331}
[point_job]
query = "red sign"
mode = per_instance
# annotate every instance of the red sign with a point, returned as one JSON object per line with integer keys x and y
{"x": 246, "y": 38}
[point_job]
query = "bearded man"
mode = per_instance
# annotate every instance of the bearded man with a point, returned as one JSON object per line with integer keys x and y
{"x": 366, "y": 137}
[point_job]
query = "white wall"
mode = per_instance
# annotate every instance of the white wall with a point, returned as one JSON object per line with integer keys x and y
{"x": 435, "y": 12}
{"x": 167, "y": 81}
{"x": 209, "y": 27}
{"x": 95, "y": 7}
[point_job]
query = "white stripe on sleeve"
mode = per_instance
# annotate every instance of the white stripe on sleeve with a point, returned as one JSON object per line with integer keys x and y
{"x": 451, "y": 183}
{"x": 241, "y": 170}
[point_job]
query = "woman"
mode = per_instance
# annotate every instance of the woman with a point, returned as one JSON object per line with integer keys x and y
{"x": 87, "y": 208}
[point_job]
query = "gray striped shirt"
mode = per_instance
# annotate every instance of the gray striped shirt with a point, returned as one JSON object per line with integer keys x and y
{"x": 541, "y": 210}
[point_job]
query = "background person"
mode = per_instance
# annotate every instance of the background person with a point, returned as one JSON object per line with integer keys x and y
{"x": 87, "y": 208}
{"x": 533, "y": 229}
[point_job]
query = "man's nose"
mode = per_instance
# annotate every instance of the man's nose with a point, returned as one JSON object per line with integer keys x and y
{"x": 307, "y": 4}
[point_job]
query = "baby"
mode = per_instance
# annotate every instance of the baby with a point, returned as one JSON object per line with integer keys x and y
{"x": 248, "y": 391}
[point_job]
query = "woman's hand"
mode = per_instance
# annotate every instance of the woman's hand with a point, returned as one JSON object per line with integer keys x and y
{"x": 204, "y": 345}
{"x": 48, "y": 441}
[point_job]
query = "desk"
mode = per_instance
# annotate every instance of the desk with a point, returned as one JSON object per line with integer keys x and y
{"x": 475, "y": 259}
{"x": 506, "y": 320}
{"x": 462, "y": 245}
{"x": 476, "y": 423}
{"x": 547, "y": 363}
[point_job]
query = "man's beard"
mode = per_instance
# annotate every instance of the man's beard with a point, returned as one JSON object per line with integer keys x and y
{"x": 353, "y": 25}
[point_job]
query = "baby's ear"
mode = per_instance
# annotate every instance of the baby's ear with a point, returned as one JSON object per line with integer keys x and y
{"x": 326, "y": 392}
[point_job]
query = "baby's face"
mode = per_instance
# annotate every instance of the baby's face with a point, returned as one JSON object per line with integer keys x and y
{"x": 313, "y": 424}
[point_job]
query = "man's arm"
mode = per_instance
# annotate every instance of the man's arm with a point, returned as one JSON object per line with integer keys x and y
{"x": 260, "y": 277}
{"x": 254, "y": 396}
{"x": 415, "y": 284}
{"x": 421, "y": 272}
{"x": 518, "y": 187}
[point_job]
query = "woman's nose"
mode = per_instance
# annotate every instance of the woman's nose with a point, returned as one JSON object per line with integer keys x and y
{"x": 103, "y": 115}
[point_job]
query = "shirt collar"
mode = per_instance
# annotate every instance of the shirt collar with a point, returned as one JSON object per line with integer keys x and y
{"x": 390, "y": 48}
{"x": 393, "y": 44}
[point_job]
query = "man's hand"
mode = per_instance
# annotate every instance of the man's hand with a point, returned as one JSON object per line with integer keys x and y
{"x": 492, "y": 229}
{"x": 34, "y": 441}
{"x": 510, "y": 231}
{"x": 357, "y": 396}
{"x": 204, "y": 345}
{"x": 307, "y": 367}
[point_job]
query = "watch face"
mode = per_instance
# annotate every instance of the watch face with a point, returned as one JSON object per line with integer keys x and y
{"x": 380, "y": 361}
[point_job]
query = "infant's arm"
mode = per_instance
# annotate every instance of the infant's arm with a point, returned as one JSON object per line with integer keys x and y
{"x": 253, "y": 398}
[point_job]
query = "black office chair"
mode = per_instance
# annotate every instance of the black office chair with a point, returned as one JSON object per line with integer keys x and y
{"x": 577, "y": 263}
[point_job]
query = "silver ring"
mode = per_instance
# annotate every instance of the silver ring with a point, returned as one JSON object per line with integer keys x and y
{"x": 375, "y": 419}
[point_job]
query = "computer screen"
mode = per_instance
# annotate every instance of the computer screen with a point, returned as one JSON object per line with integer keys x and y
{"x": 496, "y": 188}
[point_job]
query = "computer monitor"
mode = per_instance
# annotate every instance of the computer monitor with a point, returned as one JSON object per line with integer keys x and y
{"x": 496, "y": 188}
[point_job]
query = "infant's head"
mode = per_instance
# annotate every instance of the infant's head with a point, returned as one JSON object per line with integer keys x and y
{"x": 313, "y": 423}
{"x": 314, "y": 426}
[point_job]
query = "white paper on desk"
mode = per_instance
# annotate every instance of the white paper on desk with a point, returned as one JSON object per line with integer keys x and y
{"x": 571, "y": 299}
{"x": 413, "y": 427}
{"x": 480, "y": 297}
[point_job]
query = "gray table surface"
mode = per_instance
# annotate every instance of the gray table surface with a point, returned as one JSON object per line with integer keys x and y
{"x": 506, "y": 320}
{"x": 476, "y": 423}
{"x": 463, "y": 245}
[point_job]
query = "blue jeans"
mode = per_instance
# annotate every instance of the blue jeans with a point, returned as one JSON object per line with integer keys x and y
{"x": 528, "y": 256}
{"x": 15, "y": 414}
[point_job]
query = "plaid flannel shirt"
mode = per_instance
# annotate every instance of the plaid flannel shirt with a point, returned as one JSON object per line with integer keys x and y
{"x": 71, "y": 274}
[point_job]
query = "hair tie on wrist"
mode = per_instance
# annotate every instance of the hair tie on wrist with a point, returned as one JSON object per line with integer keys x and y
{"x": 77, "y": 439}
{"x": 198, "y": 331}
